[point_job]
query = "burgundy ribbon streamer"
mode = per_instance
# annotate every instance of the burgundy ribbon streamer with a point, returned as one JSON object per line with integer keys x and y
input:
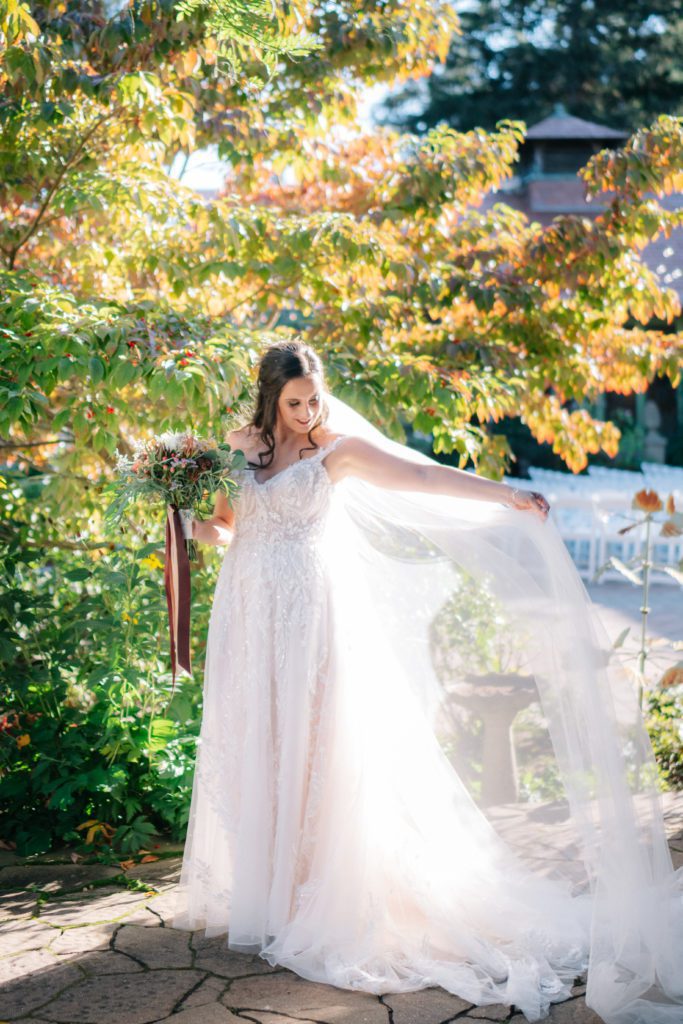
{"x": 178, "y": 593}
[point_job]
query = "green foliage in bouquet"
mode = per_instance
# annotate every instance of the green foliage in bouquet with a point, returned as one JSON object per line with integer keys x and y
{"x": 178, "y": 469}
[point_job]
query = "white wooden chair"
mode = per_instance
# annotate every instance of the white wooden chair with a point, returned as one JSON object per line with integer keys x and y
{"x": 575, "y": 516}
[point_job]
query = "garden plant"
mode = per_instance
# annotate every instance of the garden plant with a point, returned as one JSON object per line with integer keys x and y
{"x": 130, "y": 304}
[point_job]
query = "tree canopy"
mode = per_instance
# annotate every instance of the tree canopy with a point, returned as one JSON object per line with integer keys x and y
{"x": 129, "y": 304}
{"x": 614, "y": 63}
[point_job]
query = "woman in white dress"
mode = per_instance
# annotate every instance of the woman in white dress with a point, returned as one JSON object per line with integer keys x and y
{"x": 359, "y": 814}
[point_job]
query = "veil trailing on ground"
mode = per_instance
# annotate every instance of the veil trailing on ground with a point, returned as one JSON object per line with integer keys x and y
{"x": 482, "y": 608}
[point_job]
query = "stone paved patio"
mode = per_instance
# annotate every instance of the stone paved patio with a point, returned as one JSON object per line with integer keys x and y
{"x": 618, "y": 606}
{"x": 89, "y": 944}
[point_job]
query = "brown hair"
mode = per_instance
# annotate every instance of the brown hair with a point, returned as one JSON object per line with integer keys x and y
{"x": 282, "y": 362}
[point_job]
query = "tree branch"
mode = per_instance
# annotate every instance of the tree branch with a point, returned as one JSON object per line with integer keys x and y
{"x": 32, "y": 444}
{"x": 68, "y": 163}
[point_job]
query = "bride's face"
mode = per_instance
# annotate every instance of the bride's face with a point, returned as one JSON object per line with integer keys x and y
{"x": 300, "y": 403}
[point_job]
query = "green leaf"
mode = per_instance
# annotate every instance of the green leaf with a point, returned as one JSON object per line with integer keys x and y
{"x": 123, "y": 373}
{"x": 96, "y": 367}
{"x": 180, "y": 708}
{"x": 617, "y": 564}
{"x": 116, "y": 579}
{"x": 622, "y": 636}
{"x": 76, "y": 575}
{"x": 14, "y": 408}
{"x": 65, "y": 369}
{"x": 163, "y": 730}
{"x": 147, "y": 549}
{"x": 61, "y": 418}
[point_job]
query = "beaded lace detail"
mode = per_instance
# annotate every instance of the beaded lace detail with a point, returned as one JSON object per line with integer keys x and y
{"x": 308, "y": 840}
{"x": 267, "y": 658}
{"x": 291, "y": 505}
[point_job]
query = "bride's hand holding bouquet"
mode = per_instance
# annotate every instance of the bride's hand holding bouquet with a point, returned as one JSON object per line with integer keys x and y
{"x": 180, "y": 469}
{"x": 183, "y": 471}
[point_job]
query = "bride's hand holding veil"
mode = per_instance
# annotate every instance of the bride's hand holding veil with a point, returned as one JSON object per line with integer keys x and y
{"x": 532, "y": 501}
{"x": 361, "y": 458}
{"x": 355, "y": 623}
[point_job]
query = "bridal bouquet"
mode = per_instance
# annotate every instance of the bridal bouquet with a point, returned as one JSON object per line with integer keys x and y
{"x": 179, "y": 468}
{"x": 182, "y": 470}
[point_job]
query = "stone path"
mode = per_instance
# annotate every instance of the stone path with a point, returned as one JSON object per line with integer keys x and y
{"x": 618, "y": 606}
{"x": 89, "y": 944}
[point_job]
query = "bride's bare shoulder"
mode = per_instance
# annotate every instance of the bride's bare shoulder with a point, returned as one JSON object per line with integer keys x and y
{"x": 242, "y": 437}
{"x": 329, "y": 437}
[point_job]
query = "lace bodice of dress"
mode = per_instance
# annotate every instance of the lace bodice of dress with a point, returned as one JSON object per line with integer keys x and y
{"x": 290, "y": 506}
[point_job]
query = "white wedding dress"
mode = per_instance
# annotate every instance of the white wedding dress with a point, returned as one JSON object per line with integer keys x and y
{"x": 330, "y": 831}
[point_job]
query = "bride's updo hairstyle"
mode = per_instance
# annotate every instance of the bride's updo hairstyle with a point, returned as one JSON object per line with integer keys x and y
{"x": 282, "y": 362}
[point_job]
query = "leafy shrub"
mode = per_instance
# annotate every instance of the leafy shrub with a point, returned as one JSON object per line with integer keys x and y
{"x": 90, "y": 731}
{"x": 664, "y": 720}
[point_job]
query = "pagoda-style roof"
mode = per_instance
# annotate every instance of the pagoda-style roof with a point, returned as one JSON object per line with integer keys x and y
{"x": 561, "y": 125}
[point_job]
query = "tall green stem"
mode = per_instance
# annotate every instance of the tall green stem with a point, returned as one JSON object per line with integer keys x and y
{"x": 644, "y": 610}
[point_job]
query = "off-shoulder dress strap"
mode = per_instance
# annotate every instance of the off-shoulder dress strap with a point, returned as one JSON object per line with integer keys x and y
{"x": 327, "y": 448}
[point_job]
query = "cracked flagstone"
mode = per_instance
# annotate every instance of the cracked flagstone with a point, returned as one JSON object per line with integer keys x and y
{"x": 289, "y": 994}
{"x": 494, "y": 1012}
{"x": 78, "y": 946}
{"x": 73, "y": 941}
{"x": 17, "y": 905}
{"x": 96, "y": 906}
{"x": 94, "y": 964}
{"x": 30, "y": 980}
{"x": 164, "y": 904}
{"x": 428, "y": 1006}
{"x": 141, "y": 999}
{"x": 574, "y": 1011}
{"x": 156, "y": 947}
{"x": 161, "y": 872}
{"x": 24, "y": 934}
{"x": 206, "y": 1015}
{"x": 274, "y": 1018}
{"x": 210, "y": 991}
{"x": 54, "y": 878}
{"x": 213, "y": 955}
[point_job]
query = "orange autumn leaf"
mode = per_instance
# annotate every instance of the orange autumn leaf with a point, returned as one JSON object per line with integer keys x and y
{"x": 672, "y": 677}
{"x": 670, "y": 505}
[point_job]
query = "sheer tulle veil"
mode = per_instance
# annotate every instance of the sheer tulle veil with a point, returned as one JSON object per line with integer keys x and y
{"x": 480, "y": 610}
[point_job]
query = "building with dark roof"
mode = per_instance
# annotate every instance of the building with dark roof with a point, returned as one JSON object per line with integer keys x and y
{"x": 547, "y": 185}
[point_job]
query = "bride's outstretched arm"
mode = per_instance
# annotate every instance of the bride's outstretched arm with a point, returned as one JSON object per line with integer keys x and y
{"x": 360, "y": 458}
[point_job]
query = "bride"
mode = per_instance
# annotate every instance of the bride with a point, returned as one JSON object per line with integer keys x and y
{"x": 363, "y": 811}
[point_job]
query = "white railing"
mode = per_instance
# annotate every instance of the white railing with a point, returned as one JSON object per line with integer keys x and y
{"x": 590, "y": 510}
